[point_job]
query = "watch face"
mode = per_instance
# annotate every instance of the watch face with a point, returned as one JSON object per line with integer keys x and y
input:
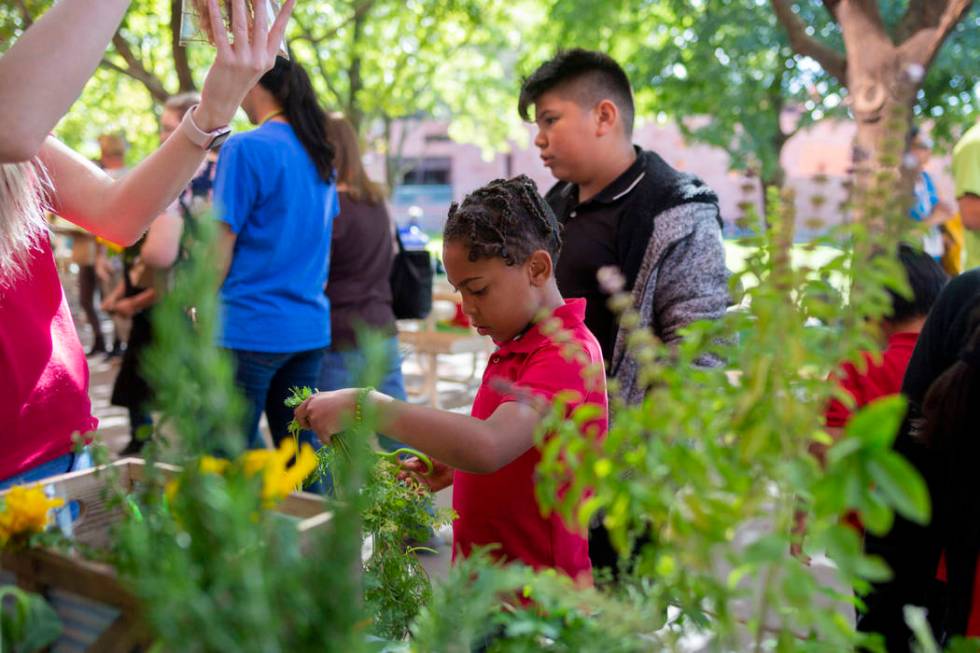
{"x": 219, "y": 140}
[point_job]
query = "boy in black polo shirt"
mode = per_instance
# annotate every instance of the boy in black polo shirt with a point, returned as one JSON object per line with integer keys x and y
{"x": 625, "y": 207}
{"x": 622, "y": 206}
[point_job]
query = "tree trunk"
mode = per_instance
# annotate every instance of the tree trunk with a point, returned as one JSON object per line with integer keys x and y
{"x": 395, "y": 164}
{"x": 882, "y": 81}
{"x": 353, "y": 110}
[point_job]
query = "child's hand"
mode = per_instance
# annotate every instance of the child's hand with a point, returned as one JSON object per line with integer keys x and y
{"x": 326, "y": 413}
{"x": 440, "y": 478}
{"x": 124, "y": 307}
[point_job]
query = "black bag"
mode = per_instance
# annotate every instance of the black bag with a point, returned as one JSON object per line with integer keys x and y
{"x": 411, "y": 282}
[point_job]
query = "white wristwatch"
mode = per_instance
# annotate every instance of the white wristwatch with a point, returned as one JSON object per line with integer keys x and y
{"x": 205, "y": 140}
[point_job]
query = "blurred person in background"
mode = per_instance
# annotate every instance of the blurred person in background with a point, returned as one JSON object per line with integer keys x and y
{"x": 108, "y": 261}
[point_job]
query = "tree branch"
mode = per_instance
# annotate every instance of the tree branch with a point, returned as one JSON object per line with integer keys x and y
{"x": 926, "y": 39}
{"x": 802, "y": 43}
{"x": 25, "y": 14}
{"x": 831, "y": 6}
{"x": 919, "y": 14}
{"x": 135, "y": 69}
{"x": 359, "y": 11}
{"x": 320, "y": 63}
{"x": 185, "y": 76}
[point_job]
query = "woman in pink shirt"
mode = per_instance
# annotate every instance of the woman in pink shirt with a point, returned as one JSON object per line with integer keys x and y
{"x": 43, "y": 373}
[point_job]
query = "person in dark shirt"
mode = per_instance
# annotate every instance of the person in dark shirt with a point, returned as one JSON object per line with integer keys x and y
{"x": 938, "y": 436}
{"x": 362, "y": 252}
{"x": 625, "y": 208}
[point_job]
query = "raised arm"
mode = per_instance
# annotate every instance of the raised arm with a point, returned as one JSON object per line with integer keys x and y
{"x": 44, "y": 72}
{"x": 121, "y": 210}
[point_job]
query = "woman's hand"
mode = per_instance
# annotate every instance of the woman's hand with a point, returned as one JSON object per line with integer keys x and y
{"x": 439, "y": 478}
{"x": 326, "y": 413}
{"x": 240, "y": 63}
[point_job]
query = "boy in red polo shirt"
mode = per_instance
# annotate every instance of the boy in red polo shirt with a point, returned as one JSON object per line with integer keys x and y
{"x": 499, "y": 250}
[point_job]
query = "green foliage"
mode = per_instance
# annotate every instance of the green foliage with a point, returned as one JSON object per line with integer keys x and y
{"x": 192, "y": 378}
{"x": 214, "y": 569}
{"x": 511, "y": 609}
{"x": 723, "y": 70}
{"x": 950, "y": 96}
{"x": 380, "y": 61}
{"x": 27, "y": 622}
{"x": 395, "y": 513}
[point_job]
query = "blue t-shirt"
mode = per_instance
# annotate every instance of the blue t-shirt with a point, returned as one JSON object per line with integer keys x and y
{"x": 268, "y": 191}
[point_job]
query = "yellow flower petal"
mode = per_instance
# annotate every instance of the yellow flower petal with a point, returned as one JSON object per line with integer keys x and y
{"x": 25, "y": 510}
{"x": 212, "y": 465}
{"x": 293, "y": 477}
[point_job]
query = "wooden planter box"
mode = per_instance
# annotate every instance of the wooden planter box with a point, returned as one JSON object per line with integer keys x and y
{"x": 99, "y": 614}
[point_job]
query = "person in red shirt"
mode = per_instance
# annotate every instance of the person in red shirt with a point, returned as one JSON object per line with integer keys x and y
{"x": 499, "y": 251}
{"x": 881, "y": 375}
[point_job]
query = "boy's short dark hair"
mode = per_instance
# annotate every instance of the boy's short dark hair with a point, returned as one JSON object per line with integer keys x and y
{"x": 505, "y": 219}
{"x": 588, "y": 76}
{"x": 926, "y": 280}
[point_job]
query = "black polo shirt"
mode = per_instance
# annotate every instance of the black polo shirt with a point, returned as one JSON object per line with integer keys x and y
{"x": 589, "y": 243}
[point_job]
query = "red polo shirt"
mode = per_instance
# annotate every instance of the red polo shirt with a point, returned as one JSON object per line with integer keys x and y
{"x": 501, "y": 508}
{"x": 879, "y": 379}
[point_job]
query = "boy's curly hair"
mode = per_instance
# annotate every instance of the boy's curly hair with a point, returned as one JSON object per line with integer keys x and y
{"x": 505, "y": 219}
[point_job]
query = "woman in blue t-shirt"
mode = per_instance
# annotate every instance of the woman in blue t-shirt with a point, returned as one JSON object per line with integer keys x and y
{"x": 276, "y": 197}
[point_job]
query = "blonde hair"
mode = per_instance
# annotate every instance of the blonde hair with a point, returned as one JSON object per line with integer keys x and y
{"x": 22, "y": 224}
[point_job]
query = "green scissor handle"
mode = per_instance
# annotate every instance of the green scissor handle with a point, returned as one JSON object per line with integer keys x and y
{"x": 411, "y": 452}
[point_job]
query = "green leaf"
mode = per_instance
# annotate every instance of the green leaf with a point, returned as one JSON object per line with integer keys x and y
{"x": 901, "y": 486}
{"x": 873, "y": 568}
{"x": 588, "y": 509}
{"x": 877, "y": 424}
{"x": 915, "y": 617}
{"x": 30, "y": 626}
{"x": 875, "y": 514}
{"x": 586, "y": 413}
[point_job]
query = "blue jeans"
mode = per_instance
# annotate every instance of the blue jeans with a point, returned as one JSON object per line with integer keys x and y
{"x": 70, "y": 462}
{"x": 265, "y": 379}
{"x": 345, "y": 369}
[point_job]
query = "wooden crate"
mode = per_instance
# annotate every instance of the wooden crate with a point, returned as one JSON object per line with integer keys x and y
{"x": 88, "y": 595}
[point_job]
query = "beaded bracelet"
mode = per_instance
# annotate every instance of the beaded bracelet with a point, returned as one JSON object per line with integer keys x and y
{"x": 362, "y": 395}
